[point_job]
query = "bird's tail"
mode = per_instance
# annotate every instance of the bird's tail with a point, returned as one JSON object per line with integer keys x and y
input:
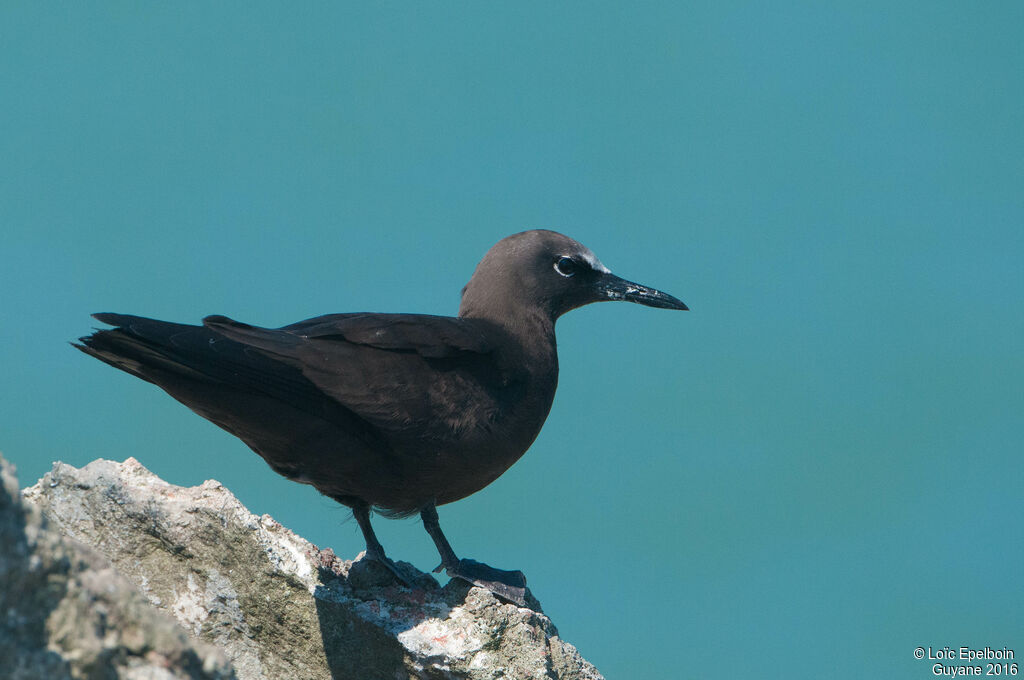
{"x": 142, "y": 346}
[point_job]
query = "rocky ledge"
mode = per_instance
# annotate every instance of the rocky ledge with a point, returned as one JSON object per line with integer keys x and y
{"x": 109, "y": 572}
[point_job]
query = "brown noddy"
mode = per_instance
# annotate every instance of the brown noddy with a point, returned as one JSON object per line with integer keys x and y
{"x": 394, "y": 412}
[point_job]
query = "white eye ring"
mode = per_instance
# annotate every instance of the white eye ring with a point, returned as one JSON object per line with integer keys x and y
{"x": 566, "y": 266}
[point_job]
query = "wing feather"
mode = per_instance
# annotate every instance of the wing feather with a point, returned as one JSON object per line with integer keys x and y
{"x": 405, "y": 374}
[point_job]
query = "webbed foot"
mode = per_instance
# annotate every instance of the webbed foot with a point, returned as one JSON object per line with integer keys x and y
{"x": 391, "y": 566}
{"x": 372, "y": 570}
{"x": 507, "y": 585}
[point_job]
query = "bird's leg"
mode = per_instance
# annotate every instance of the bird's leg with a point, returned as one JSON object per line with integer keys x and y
{"x": 374, "y": 550}
{"x": 430, "y": 523}
{"x": 508, "y": 585}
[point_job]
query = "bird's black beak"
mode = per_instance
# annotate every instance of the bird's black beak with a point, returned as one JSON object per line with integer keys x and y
{"x": 611, "y": 287}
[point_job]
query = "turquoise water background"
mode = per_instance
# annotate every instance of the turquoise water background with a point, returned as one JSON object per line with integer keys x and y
{"x": 812, "y": 473}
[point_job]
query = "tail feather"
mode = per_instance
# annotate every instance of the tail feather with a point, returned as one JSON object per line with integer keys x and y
{"x": 133, "y": 353}
{"x": 174, "y": 356}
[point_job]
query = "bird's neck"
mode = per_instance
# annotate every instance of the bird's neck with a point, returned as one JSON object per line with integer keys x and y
{"x": 527, "y": 359}
{"x": 529, "y": 335}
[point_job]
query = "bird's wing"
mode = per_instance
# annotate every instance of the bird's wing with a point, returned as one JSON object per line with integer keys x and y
{"x": 429, "y": 336}
{"x": 406, "y": 374}
{"x": 179, "y": 357}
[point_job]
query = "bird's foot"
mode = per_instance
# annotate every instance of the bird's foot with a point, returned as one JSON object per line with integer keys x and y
{"x": 374, "y": 569}
{"x": 507, "y": 585}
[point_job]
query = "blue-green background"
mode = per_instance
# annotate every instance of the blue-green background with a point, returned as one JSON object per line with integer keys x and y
{"x": 814, "y": 471}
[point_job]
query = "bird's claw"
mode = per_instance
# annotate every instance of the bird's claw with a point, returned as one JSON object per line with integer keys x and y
{"x": 387, "y": 563}
{"x": 507, "y": 585}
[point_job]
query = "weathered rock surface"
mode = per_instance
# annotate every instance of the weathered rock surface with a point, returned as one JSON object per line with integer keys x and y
{"x": 239, "y": 585}
{"x": 66, "y": 613}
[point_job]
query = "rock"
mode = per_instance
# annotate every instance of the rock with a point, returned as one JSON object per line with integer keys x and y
{"x": 66, "y": 613}
{"x": 271, "y": 602}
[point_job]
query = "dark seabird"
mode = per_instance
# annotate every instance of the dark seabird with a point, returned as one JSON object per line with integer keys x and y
{"x": 394, "y": 412}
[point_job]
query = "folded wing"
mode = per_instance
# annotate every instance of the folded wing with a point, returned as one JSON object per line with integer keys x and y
{"x": 401, "y": 373}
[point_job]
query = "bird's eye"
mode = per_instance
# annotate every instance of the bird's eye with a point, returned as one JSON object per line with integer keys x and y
{"x": 566, "y": 266}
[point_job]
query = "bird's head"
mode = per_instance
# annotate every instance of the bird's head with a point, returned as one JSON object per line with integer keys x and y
{"x": 547, "y": 272}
